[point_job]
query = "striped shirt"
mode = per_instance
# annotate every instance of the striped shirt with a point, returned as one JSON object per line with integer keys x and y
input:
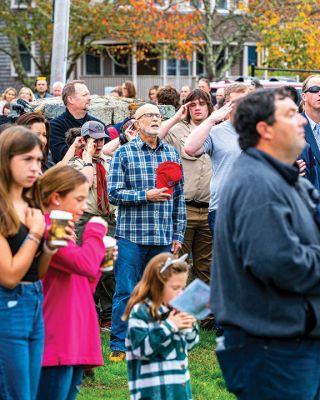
{"x": 157, "y": 356}
{"x": 132, "y": 173}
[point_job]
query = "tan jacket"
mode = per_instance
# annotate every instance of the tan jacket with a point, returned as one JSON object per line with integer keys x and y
{"x": 197, "y": 170}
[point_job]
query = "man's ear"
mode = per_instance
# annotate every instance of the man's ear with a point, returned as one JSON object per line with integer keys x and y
{"x": 264, "y": 130}
{"x": 82, "y": 141}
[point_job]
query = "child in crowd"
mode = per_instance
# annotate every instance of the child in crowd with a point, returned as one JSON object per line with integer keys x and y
{"x": 72, "y": 339}
{"x": 94, "y": 165}
{"x": 159, "y": 337}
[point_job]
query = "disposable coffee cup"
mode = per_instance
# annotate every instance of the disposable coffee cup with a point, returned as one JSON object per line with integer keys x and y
{"x": 108, "y": 261}
{"x": 59, "y": 222}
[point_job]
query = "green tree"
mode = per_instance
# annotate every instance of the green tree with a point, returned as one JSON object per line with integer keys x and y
{"x": 30, "y": 25}
{"x": 289, "y": 31}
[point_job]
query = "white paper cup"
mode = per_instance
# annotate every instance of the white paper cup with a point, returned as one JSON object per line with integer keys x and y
{"x": 108, "y": 261}
{"x": 59, "y": 222}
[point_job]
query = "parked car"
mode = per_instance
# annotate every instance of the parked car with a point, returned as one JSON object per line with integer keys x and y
{"x": 272, "y": 83}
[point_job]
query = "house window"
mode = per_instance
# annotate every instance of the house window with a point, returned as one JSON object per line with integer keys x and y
{"x": 178, "y": 67}
{"x": 93, "y": 64}
{"x": 222, "y": 4}
{"x": 252, "y": 55}
{"x": 25, "y": 56}
{"x": 122, "y": 64}
{"x": 18, "y": 4}
{"x": 200, "y": 64}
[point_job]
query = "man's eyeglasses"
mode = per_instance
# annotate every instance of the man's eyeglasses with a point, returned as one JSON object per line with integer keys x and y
{"x": 312, "y": 89}
{"x": 151, "y": 115}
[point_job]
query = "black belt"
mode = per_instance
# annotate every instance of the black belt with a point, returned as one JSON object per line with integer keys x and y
{"x": 197, "y": 204}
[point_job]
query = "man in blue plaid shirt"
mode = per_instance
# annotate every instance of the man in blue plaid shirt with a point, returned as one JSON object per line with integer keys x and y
{"x": 150, "y": 221}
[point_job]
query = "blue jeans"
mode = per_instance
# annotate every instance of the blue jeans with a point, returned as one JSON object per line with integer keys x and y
{"x": 128, "y": 270}
{"x": 211, "y": 220}
{"x": 60, "y": 383}
{"x": 21, "y": 341}
{"x": 270, "y": 369}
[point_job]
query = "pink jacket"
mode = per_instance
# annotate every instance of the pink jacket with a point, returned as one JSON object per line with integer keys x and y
{"x": 72, "y": 335}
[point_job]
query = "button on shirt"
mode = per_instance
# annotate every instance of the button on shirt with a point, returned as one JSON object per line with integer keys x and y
{"x": 132, "y": 174}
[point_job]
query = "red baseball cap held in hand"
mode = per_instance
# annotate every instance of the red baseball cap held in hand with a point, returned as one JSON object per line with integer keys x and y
{"x": 168, "y": 174}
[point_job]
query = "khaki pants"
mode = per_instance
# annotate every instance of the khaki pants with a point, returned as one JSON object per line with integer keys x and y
{"x": 198, "y": 242}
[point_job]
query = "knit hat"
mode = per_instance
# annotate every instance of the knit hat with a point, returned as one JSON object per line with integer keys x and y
{"x": 168, "y": 175}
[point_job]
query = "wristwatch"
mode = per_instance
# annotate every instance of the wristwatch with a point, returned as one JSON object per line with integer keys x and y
{"x": 88, "y": 164}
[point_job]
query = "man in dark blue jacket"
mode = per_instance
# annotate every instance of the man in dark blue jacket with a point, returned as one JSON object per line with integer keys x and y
{"x": 76, "y": 98}
{"x": 311, "y": 104}
{"x": 266, "y": 275}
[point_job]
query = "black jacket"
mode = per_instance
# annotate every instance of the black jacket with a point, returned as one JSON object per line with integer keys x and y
{"x": 59, "y": 127}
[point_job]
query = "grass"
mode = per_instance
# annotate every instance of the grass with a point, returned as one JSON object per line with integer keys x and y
{"x": 206, "y": 380}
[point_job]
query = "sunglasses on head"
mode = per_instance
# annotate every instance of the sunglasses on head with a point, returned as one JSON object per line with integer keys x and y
{"x": 313, "y": 89}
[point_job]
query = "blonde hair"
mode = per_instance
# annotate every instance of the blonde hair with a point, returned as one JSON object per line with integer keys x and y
{"x": 25, "y": 88}
{"x": 235, "y": 88}
{"x": 14, "y": 141}
{"x": 8, "y": 90}
{"x": 152, "y": 283}
{"x": 60, "y": 179}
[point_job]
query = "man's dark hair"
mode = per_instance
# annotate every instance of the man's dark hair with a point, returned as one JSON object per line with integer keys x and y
{"x": 198, "y": 94}
{"x": 71, "y": 135}
{"x": 169, "y": 95}
{"x": 257, "y": 106}
{"x": 293, "y": 93}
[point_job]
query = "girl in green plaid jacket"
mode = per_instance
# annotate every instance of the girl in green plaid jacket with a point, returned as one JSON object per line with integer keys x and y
{"x": 159, "y": 337}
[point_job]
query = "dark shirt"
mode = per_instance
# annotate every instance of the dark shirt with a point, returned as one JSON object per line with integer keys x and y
{"x": 59, "y": 127}
{"x": 266, "y": 273}
{"x": 15, "y": 242}
{"x": 46, "y": 95}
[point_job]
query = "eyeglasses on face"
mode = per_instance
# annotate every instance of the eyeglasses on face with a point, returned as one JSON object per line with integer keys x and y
{"x": 151, "y": 115}
{"x": 312, "y": 89}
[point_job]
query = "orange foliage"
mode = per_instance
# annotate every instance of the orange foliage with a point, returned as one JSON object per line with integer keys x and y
{"x": 290, "y": 30}
{"x": 145, "y": 23}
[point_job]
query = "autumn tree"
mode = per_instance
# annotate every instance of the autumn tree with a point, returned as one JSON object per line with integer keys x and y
{"x": 171, "y": 28}
{"x": 289, "y": 31}
{"x": 180, "y": 27}
{"x": 31, "y": 26}
{"x": 231, "y": 30}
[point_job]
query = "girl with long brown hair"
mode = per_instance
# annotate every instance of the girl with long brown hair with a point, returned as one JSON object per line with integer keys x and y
{"x": 24, "y": 260}
{"x": 159, "y": 337}
{"x": 72, "y": 336}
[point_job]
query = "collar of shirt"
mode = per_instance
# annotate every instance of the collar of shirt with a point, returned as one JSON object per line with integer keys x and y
{"x": 311, "y": 122}
{"x": 140, "y": 144}
{"x": 289, "y": 172}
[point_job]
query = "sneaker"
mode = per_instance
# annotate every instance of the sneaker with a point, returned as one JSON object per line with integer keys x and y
{"x": 117, "y": 356}
{"x": 105, "y": 326}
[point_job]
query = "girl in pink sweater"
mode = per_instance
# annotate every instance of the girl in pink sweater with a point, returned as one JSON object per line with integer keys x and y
{"x": 72, "y": 337}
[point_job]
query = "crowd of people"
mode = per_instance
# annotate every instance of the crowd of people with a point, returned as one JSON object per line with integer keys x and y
{"x": 223, "y": 191}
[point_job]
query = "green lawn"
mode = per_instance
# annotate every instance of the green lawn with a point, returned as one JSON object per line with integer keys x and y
{"x": 206, "y": 379}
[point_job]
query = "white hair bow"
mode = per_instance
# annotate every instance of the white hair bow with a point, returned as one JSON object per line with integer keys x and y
{"x": 171, "y": 261}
